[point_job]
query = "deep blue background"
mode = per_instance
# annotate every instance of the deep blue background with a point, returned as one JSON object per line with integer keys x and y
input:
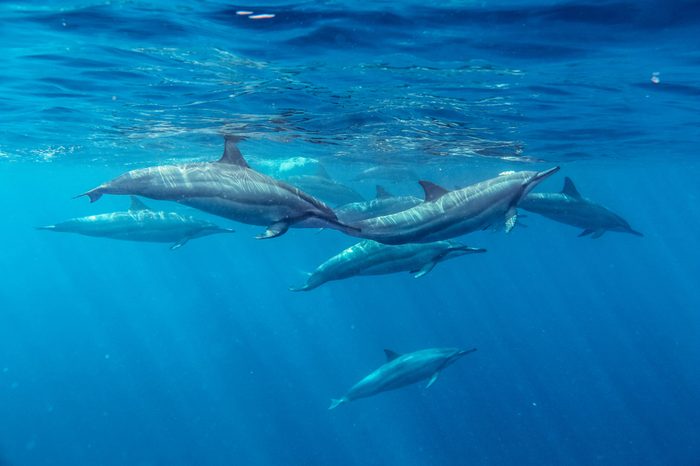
{"x": 116, "y": 353}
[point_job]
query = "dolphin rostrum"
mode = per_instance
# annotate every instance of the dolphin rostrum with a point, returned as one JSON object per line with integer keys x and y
{"x": 140, "y": 223}
{"x": 401, "y": 370}
{"x": 228, "y": 188}
{"x": 384, "y": 204}
{"x": 371, "y": 258}
{"x": 568, "y": 206}
{"x": 445, "y": 214}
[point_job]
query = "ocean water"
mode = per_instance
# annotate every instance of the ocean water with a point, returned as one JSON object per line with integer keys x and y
{"x": 120, "y": 353}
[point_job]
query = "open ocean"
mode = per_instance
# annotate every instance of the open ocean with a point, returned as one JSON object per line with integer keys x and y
{"x": 126, "y": 353}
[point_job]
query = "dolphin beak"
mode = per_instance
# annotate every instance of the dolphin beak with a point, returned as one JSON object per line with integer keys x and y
{"x": 463, "y": 352}
{"x": 542, "y": 175}
{"x": 468, "y": 250}
{"x": 635, "y": 232}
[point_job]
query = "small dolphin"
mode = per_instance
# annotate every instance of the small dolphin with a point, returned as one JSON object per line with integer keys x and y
{"x": 387, "y": 172}
{"x": 447, "y": 214}
{"x": 384, "y": 204}
{"x": 371, "y": 258}
{"x": 326, "y": 189}
{"x": 140, "y": 223}
{"x": 401, "y": 370}
{"x": 228, "y": 188}
{"x": 568, "y": 206}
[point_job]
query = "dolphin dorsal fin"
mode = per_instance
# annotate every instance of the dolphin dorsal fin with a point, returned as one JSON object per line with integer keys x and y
{"x": 232, "y": 155}
{"x": 321, "y": 172}
{"x": 432, "y": 191}
{"x": 383, "y": 193}
{"x": 570, "y": 189}
{"x": 136, "y": 204}
{"x": 391, "y": 355}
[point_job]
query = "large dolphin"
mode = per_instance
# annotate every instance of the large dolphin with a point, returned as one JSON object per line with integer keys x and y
{"x": 371, "y": 258}
{"x": 401, "y": 370}
{"x": 447, "y": 214}
{"x": 228, "y": 188}
{"x": 140, "y": 223}
{"x": 568, "y": 206}
{"x": 384, "y": 204}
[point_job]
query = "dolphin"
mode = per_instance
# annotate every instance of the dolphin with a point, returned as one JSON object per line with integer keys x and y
{"x": 446, "y": 214}
{"x": 371, "y": 258}
{"x": 228, "y": 188}
{"x": 326, "y": 189}
{"x": 140, "y": 223}
{"x": 384, "y": 204}
{"x": 387, "y": 172}
{"x": 401, "y": 370}
{"x": 568, "y": 206}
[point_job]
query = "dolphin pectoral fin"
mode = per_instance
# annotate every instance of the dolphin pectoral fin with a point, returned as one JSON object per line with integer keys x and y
{"x": 300, "y": 288}
{"x": 432, "y": 379}
{"x": 274, "y": 230}
{"x": 180, "y": 243}
{"x": 511, "y": 219}
{"x": 598, "y": 234}
{"x": 586, "y": 232}
{"x": 424, "y": 270}
{"x": 337, "y": 402}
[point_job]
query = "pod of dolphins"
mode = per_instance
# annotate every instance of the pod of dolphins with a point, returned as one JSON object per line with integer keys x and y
{"x": 399, "y": 233}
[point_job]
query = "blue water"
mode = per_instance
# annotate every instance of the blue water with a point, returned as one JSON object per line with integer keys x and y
{"x": 118, "y": 353}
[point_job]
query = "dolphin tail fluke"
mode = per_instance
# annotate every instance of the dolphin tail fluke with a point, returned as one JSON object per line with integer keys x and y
{"x": 93, "y": 194}
{"x": 337, "y": 402}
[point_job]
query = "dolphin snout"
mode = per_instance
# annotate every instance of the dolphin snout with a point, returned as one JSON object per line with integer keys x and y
{"x": 463, "y": 352}
{"x": 469, "y": 250}
{"x": 542, "y": 175}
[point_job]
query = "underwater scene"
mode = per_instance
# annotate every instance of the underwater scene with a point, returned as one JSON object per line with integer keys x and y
{"x": 391, "y": 233}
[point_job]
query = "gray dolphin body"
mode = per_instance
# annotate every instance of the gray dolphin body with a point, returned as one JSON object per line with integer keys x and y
{"x": 371, "y": 258}
{"x": 326, "y": 189}
{"x": 401, "y": 370}
{"x": 140, "y": 223}
{"x": 568, "y": 206}
{"x": 447, "y": 214}
{"x": 228, "y": 188}
{"x": 384, "y": 204}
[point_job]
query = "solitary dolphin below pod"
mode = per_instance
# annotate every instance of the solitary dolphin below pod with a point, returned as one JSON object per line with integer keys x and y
{"x": 446, "y": 214}
{"x": 401, "y": 370}
{"x": 140, "y": 223}
{"x": 228, "y": 188}
{"x": 371, "y": 258}
{"x": 569, "y": 207}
